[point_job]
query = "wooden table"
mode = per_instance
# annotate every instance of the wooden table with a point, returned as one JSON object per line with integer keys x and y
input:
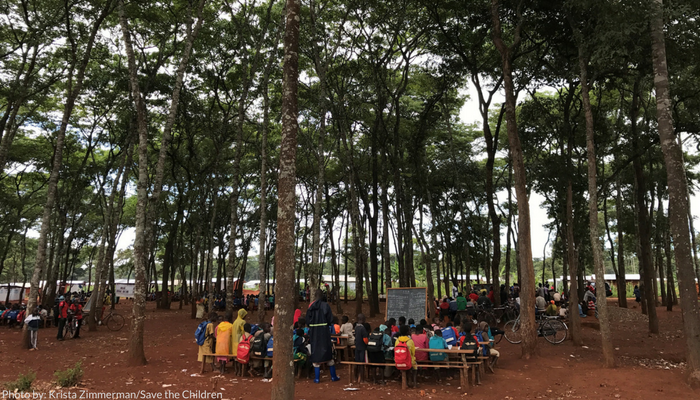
{"x": 466, "y": 365}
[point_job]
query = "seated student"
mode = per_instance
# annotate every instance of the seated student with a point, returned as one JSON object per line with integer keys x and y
{"x": 541, "y": 304}
{"x": 301, "y": 353}
{"x": 375, "y": 350}
{"x": 208, "y": 345}
{"x": 551, "y": 310}
{"x": 436, "y": 323}
{"x": 420, "y": 339}
{"x": 402, "y": 322}
{"x": 444, "y": 308}
{"x": 411, "y": 323}
{"x": 392, "y": 326}
{"x": 347, "y": 329}
{"x": 388, "y": 351}
{"x": 361, "y": 340}
{"x": 473, "y": 296}
{"x": 465, "y": 331}
{"x": 484, "y": 301}
{"x": 336, "y": 325}
{"x": 249, "y": 337}
{"x": 223, "y": 334}
{"x": 405, "y": 338}
{"x": 437, "y": 342}
{"x": 488, "y": 349}
{"x": 258, "y": 346}
{"x": 461, "y": 302}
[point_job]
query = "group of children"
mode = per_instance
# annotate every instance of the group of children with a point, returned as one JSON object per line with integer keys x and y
{"x": 395, "y": 345}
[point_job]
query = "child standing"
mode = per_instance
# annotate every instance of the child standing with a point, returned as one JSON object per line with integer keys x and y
{"x": 361, "y": 340}
{"x": 32, "y": 322}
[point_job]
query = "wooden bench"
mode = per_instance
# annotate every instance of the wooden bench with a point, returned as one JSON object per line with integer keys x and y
{"x": 243, "y": 366}
{"x": 404, "y": 377}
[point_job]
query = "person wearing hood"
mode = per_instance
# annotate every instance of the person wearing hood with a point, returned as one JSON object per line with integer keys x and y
{"x": 237, "y": 330}
{"x": 319, "y": 316}
{"x": 223, "y": 335}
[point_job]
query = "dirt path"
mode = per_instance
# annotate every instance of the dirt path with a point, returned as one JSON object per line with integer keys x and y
{"x": 650, "y": 366}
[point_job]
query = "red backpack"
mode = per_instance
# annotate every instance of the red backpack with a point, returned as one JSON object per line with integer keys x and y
{"x": 402, "y": 357}
{"x": 243, "y": 351}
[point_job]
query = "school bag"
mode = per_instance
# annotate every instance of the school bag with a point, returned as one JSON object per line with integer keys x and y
{"x": 258, "y": 347}
{"x": 269, "y": 347}
{"x": 402, "y": 357}
{"x": 449, "y": 335}
{"x": 375, "y": 342}
{"x": 437, "y": 342}
{"x": 201, "y": 333}
{"x": 480, "y": 337}
{"x": 254, "y": 328}
{"x": 472, "y": 346}
{"x": 243, "y": 351}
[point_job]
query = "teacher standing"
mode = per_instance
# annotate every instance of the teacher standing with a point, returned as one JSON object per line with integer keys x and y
{"x": 319, "y": 318}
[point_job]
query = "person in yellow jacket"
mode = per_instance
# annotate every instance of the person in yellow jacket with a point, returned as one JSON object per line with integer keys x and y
{"x": 223, "y": 340}
{"x": 237, "y": 330}
{"x": 405, "y": 338}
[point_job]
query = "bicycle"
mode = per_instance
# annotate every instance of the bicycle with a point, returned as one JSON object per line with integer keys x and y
{"x": 113, "y": 321}
{"x": 554, "y": 330}
{"x": 70, "y": 327}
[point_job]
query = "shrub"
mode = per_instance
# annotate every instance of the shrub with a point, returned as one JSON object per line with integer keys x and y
{"x": 23, "y": 382}
{"x": 71, "y": 376}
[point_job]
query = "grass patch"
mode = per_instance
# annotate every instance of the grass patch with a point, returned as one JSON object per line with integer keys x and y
{"x": 23, "y": 382}
{"x": 71, "y": 376}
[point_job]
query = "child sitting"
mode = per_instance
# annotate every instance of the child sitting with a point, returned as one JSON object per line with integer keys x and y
{"x": 420, "y": 339}
{"x": 488, "y": 350}
{"x": 347, "y": 329}
{"x": 405, "y": 338}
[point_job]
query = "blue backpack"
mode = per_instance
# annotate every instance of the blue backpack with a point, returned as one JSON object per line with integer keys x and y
{"x": 269, "y": 347}
{"x": 436, "y": 342}
{"x": 254, "y": 328}
{"x": 201, "y": 333}
{"x": 485, "y": 348}
{"x": 449, "y": 335}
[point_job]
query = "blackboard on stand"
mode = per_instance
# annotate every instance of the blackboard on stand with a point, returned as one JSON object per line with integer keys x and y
{"x": 407, "y": 302}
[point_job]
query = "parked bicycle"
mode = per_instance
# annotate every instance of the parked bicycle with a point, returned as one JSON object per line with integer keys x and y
{"x": 113, "y": 321}
{"x": 70, "y": 327}
{"x": 551, "y": 328}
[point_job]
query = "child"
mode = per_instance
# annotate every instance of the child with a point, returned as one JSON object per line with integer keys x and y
{"x": 208, "y": 344}
{"x": 420, "y": 339}
{"x": 300, "y": 352}
{"x": 361, "y": 340}
{"x": 405, "y": 338}
{"x": 375, "y": 349}
{"x": 393, "y": 327}
{"x": 346, "y": 329}
{"x": 336, "y": 325}
{"x": 246, "y": 335}
{"x": 437, "y": 342}
{"x": 411, "y": 323}
{"x": 223, "y": 334}
{"x": 489, "y": 350}
{"x": 32, "y": 322}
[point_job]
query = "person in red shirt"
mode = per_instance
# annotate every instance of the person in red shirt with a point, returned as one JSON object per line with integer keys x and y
{"x": 473, "y": 296}
{"x": 490, "y": 295}
{"x": 77, "y": 310}
{"x": 62, "y": 316}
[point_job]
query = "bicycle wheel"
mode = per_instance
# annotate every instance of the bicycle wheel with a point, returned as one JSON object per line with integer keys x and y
{"x": 512, "y": 332}
{"x": 68, "y": 330}
{"x": 554, "y": 331}
{"x": 115, "y": 322}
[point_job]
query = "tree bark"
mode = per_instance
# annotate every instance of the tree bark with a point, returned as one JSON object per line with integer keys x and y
{"x": 574, "y": 318}
{"x": 678, "y": 195}
{"x": 622, "y": 280}
{"x": 601, "y": 302}
{"x": 527, "y": 298}
{"x": 283, "y": 373}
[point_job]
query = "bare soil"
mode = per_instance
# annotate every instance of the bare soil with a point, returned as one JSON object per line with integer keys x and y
{"x": 650, "y": 366}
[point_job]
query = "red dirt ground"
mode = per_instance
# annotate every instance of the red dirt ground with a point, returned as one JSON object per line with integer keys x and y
{"x": 650, "y": 366}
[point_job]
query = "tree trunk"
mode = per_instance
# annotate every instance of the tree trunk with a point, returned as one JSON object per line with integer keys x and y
{"x": 622, "y": 280}
{"x": 601, "y": 302}
{"x": 678, "y": 196}
{"x": 283, "y": 373}
{"x": 527, "y": 298}
{"x": 643, "y": 221}
{"x": 574, "y": 318}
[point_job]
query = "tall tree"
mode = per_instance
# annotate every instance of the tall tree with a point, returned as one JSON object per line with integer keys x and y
{"x": 678, "y": 194}
{"x": 527, "y": 282}
{"x": 283, "y": 373}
